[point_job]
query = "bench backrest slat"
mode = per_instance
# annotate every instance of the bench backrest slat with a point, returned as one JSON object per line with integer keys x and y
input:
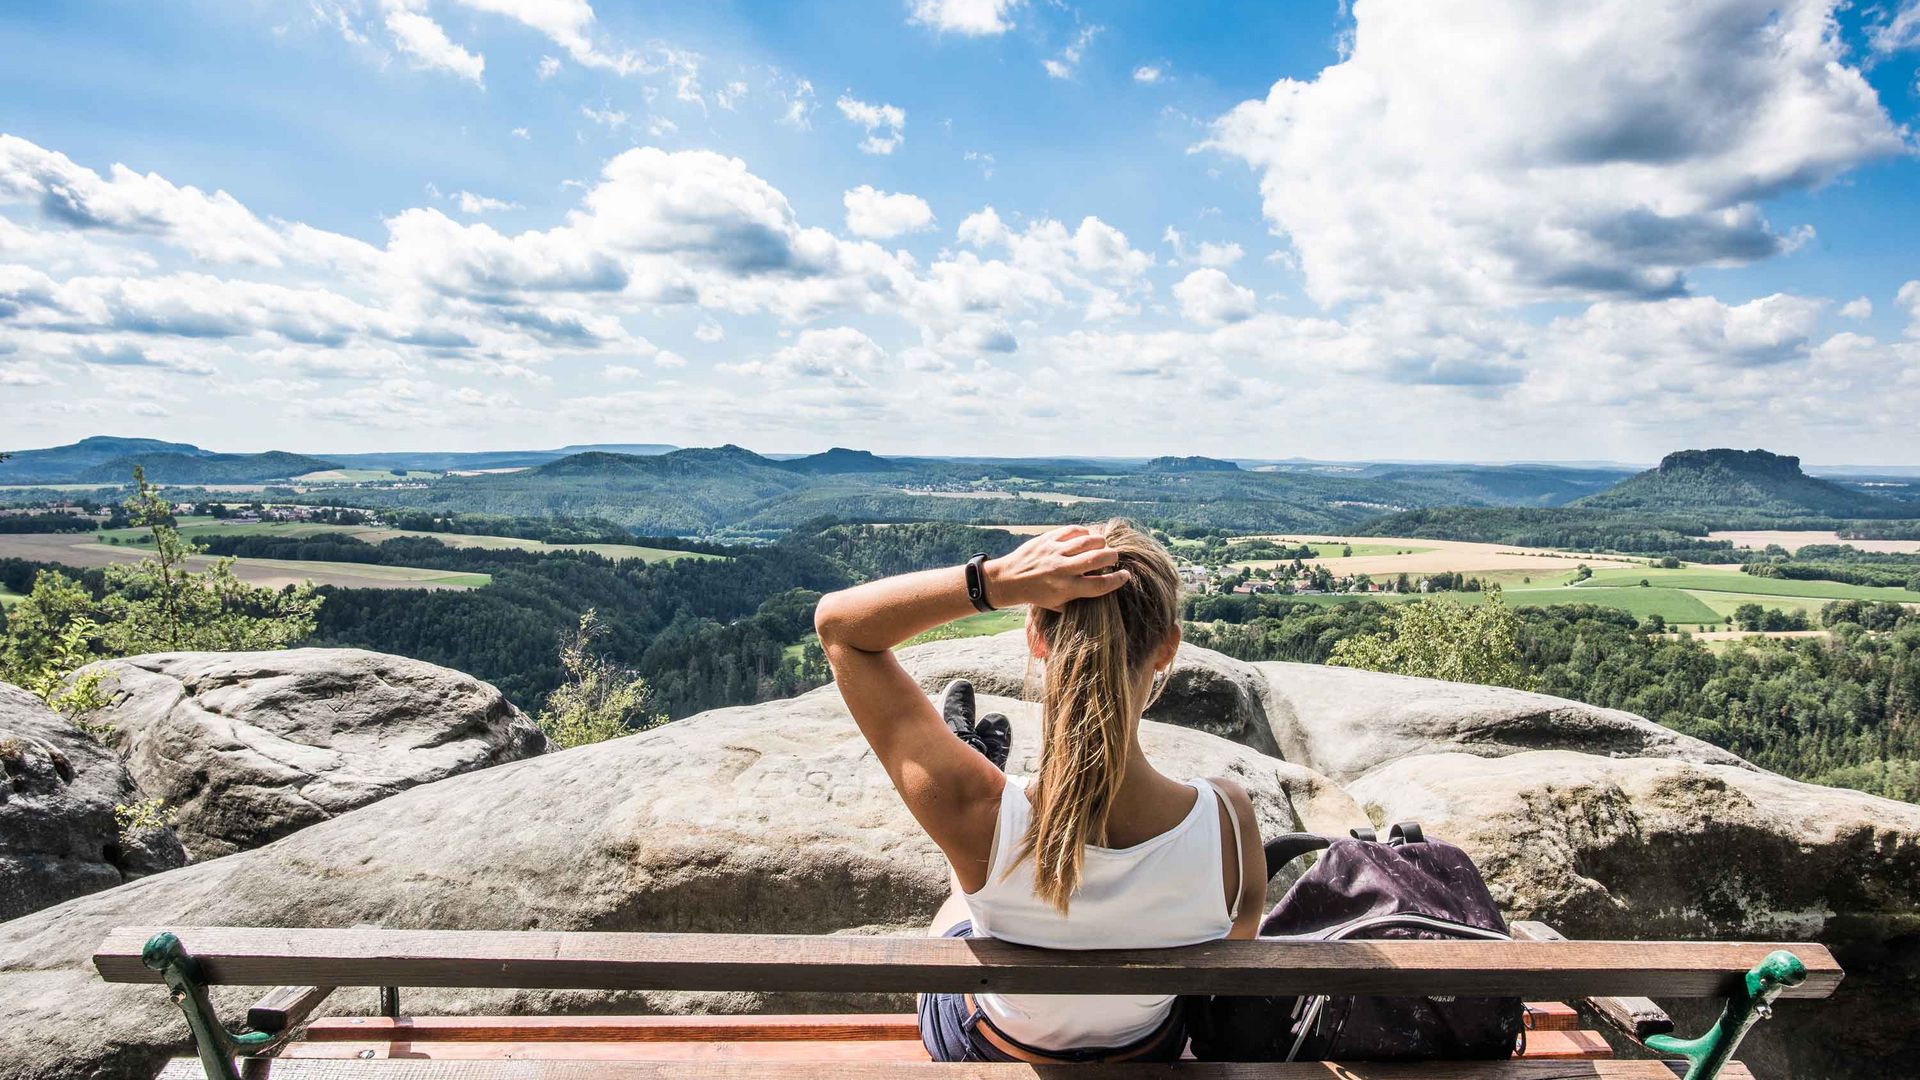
{"x": 537, "y": 959}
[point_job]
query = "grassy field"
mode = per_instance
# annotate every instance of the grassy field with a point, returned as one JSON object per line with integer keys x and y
{"x": 1673, "y": 605}
{"x": 317, "y": 571}
{"x": 1687, "y": 597}
{"x": 1734, "y": 581}
{"x": 192, "y": 527}
{"x": 7, "y": 596}
{"x": 977, "y": 625}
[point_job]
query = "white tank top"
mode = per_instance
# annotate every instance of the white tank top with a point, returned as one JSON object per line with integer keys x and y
{"x": 1160, "y": 893}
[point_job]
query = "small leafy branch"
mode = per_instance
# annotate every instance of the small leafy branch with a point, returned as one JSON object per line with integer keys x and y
{"x": 599, "y": 700}
{"x": 139, "y": 820}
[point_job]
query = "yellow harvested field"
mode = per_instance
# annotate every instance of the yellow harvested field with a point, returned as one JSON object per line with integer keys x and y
{"x": 1794, "y": 540}
{"x": 80, "y": 550}
{"x": 1435, "y": 556}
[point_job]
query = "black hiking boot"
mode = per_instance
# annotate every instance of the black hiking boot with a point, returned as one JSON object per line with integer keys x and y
{"x": 992, "y": 735}
{"x": 995, "y": 733}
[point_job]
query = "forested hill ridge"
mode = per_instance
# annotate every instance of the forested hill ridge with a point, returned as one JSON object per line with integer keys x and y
{"x": 205, "y": 468}
{"x": 1170, "y": 464}
{"x": 1753, "y": 482}
{"x": 105, "y": 459}
{"x": 839, "y": 460}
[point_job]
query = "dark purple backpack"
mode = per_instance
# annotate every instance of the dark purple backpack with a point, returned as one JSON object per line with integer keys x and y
{"x": 1407, "y": 886}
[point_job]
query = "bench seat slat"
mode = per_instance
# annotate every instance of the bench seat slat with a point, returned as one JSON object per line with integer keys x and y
{"x": 838, "y": 1027}
{"x": 800, "y": 1053}
{"x": 189, "y": 1069}
{"x": 506, "y": 1037}
{"x": 606, "y": 961}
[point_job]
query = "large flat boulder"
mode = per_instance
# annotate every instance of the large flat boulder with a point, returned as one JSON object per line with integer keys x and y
{"x": 773, "y": 817}
{"x": 58, "y": 790}
{"x": 1344, "y": 722}
{"x": 1206, "y": 690}
{"x": 246, "y": 747}
{"x": 1663, "y": 848}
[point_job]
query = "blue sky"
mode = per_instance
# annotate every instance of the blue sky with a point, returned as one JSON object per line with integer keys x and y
{"x": 1463, "y": 229}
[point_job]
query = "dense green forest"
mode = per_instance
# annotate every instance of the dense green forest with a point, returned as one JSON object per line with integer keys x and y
{"x": 1842, "y": 710}
{"x": 1569, "y": 528}
{"x": 1839, "y": 562}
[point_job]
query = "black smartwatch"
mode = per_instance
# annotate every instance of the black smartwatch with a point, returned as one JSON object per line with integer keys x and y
{"x": 977, "y": 582}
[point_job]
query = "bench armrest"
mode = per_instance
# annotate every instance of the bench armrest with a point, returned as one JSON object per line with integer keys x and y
{"x": 286, "y": 1007}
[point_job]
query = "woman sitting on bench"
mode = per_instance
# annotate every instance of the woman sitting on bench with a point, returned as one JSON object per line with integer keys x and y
{"x": 1100, "y": 850}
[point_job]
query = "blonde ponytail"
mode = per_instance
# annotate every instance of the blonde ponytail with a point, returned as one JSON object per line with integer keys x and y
{"x": 1095, "y": 648}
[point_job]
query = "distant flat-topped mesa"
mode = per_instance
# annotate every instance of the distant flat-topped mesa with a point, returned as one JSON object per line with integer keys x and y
{"x": 1172, "y": 464}
{"x": 1750, "y": 482}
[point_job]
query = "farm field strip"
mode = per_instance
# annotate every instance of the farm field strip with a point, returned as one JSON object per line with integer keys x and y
{"x": 1794, "y": 540}
{"x": 1735, "y": 581}
{"x": 203, "y": 526}
{"x": 1435, "y": 556}
{"x": 1673, "y": 605}
{"x": 1689, "y": 596}
{"x": 80, "y": 551}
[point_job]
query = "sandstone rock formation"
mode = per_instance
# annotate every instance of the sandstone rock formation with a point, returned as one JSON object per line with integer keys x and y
{"x": 1343, "y": 722}
{"x": 1337, "y": 721}
{"x": 1662, "y": 848}
{"x": 1205, "y": 690}
{"x": 58, "y": 789}
{"x": 773, "y": 817}
{"x": 247, "y": 747}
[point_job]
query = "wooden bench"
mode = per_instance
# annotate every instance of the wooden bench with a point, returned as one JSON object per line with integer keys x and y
{"x": 394, "y": 1047}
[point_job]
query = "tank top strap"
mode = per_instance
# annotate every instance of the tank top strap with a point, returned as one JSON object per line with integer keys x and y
{"x": 1009, "y": 826}
{"x": 1239, "y": 849}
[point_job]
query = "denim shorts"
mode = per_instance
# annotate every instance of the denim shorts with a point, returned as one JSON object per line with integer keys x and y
{"x": 948, "y": 1029}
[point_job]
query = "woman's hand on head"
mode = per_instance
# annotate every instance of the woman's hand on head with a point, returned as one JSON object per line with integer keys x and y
{"x": 1055, "y": 568}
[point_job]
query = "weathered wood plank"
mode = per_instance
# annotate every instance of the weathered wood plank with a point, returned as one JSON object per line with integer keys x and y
{"x": 1565, "y": 1045}
{"x": 1545, "y": 1016}
{"x": 1637, "y": 1017}
{"x": 800, "y": 1053}
{"x": 189, "y": 1069}
{"x": 285, "y": 1006}
{"x": 606, "y": 961}
{"x": 838, "y": 1027}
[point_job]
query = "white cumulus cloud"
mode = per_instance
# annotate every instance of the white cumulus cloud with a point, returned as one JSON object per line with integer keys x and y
{"x": 1504, "y": 150}
{"x": 879, "y": 215}
{"x": 423, "y": 39}
{"x": 885, "y": 124}
{"x": 1210, "y": 298}
{"x": 973, "y": 18}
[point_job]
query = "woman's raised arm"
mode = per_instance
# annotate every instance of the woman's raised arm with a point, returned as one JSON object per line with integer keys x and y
{"x": 950, "y": 788}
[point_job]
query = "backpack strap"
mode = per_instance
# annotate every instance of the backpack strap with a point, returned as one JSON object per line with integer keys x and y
{"x": 1405, "y": 832}
{"x": 1287, "y": 847}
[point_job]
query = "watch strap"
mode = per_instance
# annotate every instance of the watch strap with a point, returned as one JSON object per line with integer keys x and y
{"x": 977, "y": 582}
